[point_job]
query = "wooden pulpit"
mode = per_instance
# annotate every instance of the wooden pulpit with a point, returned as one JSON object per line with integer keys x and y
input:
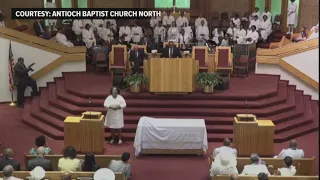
{"x": 253, "y": 136}
{"x": 85, "y": 133}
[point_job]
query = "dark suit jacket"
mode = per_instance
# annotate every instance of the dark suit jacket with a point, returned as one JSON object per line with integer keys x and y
{"x": 165, "y": 53}
{"x": 39, "y": 161}
{"x": 137, "y": 60}
{"x": 37, "y": 28}
{"x": 21, "y": 73}
{"x": 15, "y": 164}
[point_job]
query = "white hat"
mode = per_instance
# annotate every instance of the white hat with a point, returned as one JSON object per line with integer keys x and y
{"x": 104, "y": 174}
{"x": 38, "y": 173}
{"x": 225, "y": 160}
{"x": 171, "y": 40}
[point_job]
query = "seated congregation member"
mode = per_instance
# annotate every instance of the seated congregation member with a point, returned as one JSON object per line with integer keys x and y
{"x": 263, "y": 176}
{"x": 154, "y": 21}
{"x": 171, "y": 51}
{"x": 2, "y": 21}
{"x": 125, "y": 31}
{"x": 89, "y": 164}
{"x": 236, "y": 21}
{"x": 39, "y": 27}
{"x": 122, "y": 165}
{"x": 314, "y": 34}
{"x": 226, "y": 148}
{"x": 265, "y": 28}
{"x": 96, "y": 23}
{"x": 159, "y": 33}
{"x": 292, "y": 151}
{"x": 218, "y": 35}
{"x": 187, "y": 29}
{"x": 113, "y": 23}
{"x": 173, "y": 32}
{"x": 181, "y": 20}
{"x": 167, "y": 19}
{"x": 69, "y": 162}
{"x": 252, "y": 35}
{"x": 88, "y": 37}
{"x": 224, "y": 163}
{"x": 136, "y": 33}
{"x": 62, "y": 39}
{"x": 266, "y": 13}
{"x": 255, "y": 13}
{"x": 40, "y": 141}
{"x": 255, "y": 22}
{"x": 8, "y": 173}
{"x": 199, "y": 19}
{"x": 77, "y": 27}
{"x": 256, "y": 167}
{"x": 241, "y": 35}
{"x": 288, "y": 170}
{"x": 7, "y": 159}
{"x": 40, "y": 161}
{"x": 202, "y": 32}
{"x": 105, "y": 33}
{"x": 38, "y": 173}
{"x": 184, "y": 38}
{"x": 136, "y": 58}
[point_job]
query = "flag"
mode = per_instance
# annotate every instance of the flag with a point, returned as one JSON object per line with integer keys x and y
{"x": 11, "y": 71}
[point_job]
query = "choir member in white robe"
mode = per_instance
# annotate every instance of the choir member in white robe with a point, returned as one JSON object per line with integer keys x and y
{"x": 292, "y": 16}
{"x": 52, "y": 22}
{"x": 126, "y": 32}
{"x": 114, "y": 104}
{"x": 154, "y": 21}
{"x": 188, "y": 29}
{"x": 173, "y": 32}
{"x": 113, "y": 23}
{"x": 241, "y": 35}
{"x": 288, "y": 170}
{"x": 88, "y": 37}
{"x": 231, "y": 31}
{"x": 96, "y": 23}
{"x": 181, "y": 20}
{"x": 62, "y": 39}
{"x": 77, "y": 26}
{"x": 87, "y": 21}
{"x": 136, "y": 33}
{"x": 202, "y": 32}
{"x": 159, "y": 33}
{"x": 255, "y": 22}
{"x": 255, "y": 13}
{"x": 314, "y": 27}
{"x": 292, "y": 151}
{"x": 218, "y": 35}
{"x": 236, "y": 21}
{"x": 167, "y": 19}
{"x": 314, "y": 34}
{"x": 265, "y": 28}
{"x": 252, "y": 35}
{"x": 107, "y": 33}
{"x": 199, "y": 19}
{"x": 184, "y": 38}
{"x": 267, "y": 13}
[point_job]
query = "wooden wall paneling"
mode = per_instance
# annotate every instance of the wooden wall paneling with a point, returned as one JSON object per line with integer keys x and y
{"x": 284, "y": 14}
{"x": 268, "y": 4}
{"x": 308, "y": 13}
{"x": 231, "y": 6}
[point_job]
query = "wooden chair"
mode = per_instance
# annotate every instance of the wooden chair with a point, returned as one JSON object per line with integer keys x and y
{"x": 223, "y": 59}
{"x": 200, "y": 53}
{"x": 118, "y": 58}
{"x": 101, "y": 61}
{"x": 215, "y": 15}
{"x": 241, "y": 64}
{"x": 276, "y": 26}
{"x": 224, "y": 16}
{"x": 140, "y": 47}
{"x": 167, "y": 44}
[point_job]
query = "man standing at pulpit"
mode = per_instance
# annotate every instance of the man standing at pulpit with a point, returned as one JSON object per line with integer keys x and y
{"x": 171, "y": 51}
{"x": 136, "y": 59}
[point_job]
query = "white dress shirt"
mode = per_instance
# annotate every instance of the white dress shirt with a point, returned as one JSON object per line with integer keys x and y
{"x": 154, "y": 21}
{"x": 253, "y": 35}
{"x": 295, "y": 154}
{"x": 291, "y": 171}
{"x": 224, "y": 149}
{"x": 202, "y": 30}
{"x": 181, "y": 20}
{"x": 255, "y": 169}
{"x": 76, "y": 26}
{"x": 125, "y": 30}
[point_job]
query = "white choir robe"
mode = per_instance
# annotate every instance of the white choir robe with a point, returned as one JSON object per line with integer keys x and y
{"x": 237, "y": 22}
{"x": 253, "y": 35}
{"x": 266, "y": 25}
{"x": 62, "y": 39}
{"x": 2, "y": 24}
{"x": 125, "y": 30}
{"x": 293, "y": 153}
{"x": 181, "y": 20}
{"x": 86, "y": 37}
{"x": 154, "y": 21}
{"x": 198, "y": 22}
{"x": 314, "y": 35}
{"x": 173, "y": 34}
{"x": 256, "y": 23}
{"x": 184, "y": 39}
{"x": 314, "y": 27}
{"x": 159, "y": 31}
{"x": 167, "y": 20}
{"x": 268, "y": 14}
{"x": 240, "y": 36}
{"x": 231, "y": 32}
{"x": 51, "y": 5}
{"x": 96, "y": 22}
{"x": 188, "y": 30}
{"x": 202, "y": 30}
{"x": 254, "y": 14}
{"x": 76, "y": 26}
{"x": 113, "y": 23}
{"x": 105, "y": 34}
{"x": 216, "y": 35}
{"x": 136, "y": 34}
{"x": 87, "y": 21}
{"x": 292, "y": 13}
{"x": 114, "y": 118}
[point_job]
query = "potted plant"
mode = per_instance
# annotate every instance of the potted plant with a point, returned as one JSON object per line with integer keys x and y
{"x": 135, "y": 81}
{"x": 208, "y": 81}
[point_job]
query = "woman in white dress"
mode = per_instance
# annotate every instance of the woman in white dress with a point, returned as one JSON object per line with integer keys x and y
{"x": 88, "y": 37}
{"x": 289, "y": 169}
{"x": 52, "y": 22}
{"x": 173, "y": 32}
{"x": 292, "y": 16}
{"x": 114, "y": 118}
{"x": 265, "y": 28}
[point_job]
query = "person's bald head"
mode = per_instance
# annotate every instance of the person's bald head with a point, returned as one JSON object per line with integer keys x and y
{"x": 293, "y": 144}
{"x": 8, "y": 153}
{"x": 7, "y": 171}
{"x": 40, "y": 151}
{"x": 234, "y": 177}
{"x": 254, "y": 158}
{"x": 226, "y": 142}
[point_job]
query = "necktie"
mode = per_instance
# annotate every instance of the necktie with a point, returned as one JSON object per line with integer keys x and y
{"x": 170, "y": 52}
{"x": 137, "y": 54}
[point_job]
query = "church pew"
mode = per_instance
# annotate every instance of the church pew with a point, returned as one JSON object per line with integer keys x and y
{"x": 303, "y": 166}
{"x": 56, "y": 175}
{"x": 102, "y": 160}
{"x": 226, "y": 177}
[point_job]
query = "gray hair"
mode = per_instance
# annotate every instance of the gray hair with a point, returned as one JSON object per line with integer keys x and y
{"x": 254, "y": 158}
{"x": 7, "y": 171}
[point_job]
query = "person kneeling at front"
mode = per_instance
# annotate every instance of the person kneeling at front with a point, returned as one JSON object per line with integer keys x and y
{"x": 22, "y": 80}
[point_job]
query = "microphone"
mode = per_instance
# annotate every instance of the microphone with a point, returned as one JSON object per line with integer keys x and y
{"x": 246, "y": 104}
{"x": 89, "y": 101}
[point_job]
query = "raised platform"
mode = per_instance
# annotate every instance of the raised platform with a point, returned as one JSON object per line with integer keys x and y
{"x": 268, "y": 97}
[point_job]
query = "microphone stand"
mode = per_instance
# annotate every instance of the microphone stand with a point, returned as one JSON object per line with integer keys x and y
{"x": 246, "y": 103}
{"x": 90, "y": 107}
